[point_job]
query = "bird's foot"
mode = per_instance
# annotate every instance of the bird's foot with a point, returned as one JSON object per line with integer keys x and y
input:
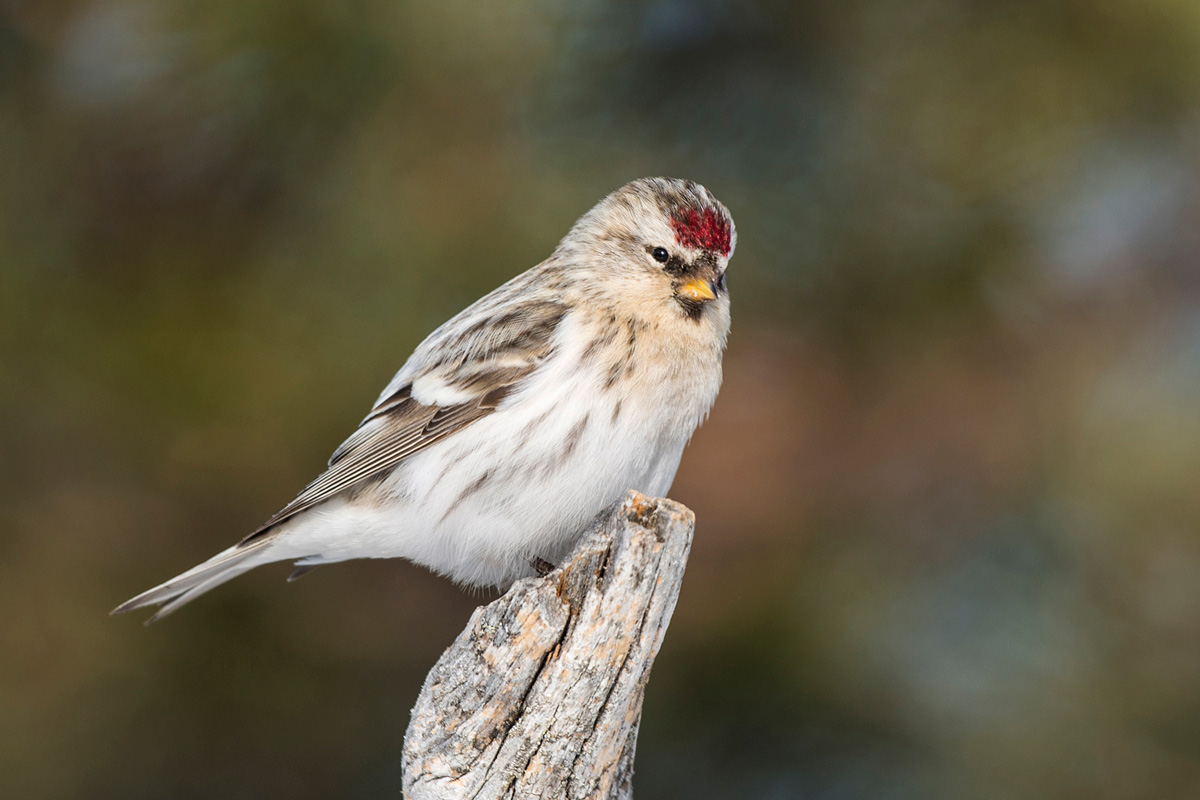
{"x": 542, "y": 566}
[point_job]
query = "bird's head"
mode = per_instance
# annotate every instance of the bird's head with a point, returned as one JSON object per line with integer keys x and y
{"x": 658, "y": 239}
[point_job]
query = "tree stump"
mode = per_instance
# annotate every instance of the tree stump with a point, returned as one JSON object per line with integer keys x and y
{"x": 540, "y": 696}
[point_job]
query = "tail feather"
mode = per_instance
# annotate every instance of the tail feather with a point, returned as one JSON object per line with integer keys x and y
{"x": 184, "y": 588}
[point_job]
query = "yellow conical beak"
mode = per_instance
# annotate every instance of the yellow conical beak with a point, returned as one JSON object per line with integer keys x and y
{"x": 698, "y": 289}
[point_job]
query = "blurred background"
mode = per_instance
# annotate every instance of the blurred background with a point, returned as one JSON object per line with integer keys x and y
{"x": 948, "y": 502}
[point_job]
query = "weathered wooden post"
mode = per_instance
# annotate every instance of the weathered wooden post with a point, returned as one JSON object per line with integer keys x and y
{"x": 540, "y": 696}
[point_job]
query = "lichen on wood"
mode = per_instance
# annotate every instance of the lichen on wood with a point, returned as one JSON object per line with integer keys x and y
{"x": 541, "y": 695}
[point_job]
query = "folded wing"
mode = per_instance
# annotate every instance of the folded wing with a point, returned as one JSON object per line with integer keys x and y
{"x": 463, "y": 372}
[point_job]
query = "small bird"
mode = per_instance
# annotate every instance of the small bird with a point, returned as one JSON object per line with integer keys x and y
{"x": 523, "y": 417}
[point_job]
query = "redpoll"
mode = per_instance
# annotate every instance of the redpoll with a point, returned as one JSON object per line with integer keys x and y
{"x": 515, "y": 423}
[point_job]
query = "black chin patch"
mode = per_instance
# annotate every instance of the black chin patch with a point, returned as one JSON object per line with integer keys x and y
{"x": 693, "y": 309}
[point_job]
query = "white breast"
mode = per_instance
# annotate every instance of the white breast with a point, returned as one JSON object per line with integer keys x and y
{"x": 522, "y": 482}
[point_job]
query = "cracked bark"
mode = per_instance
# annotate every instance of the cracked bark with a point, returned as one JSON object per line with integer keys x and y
{"x": 541, "y": 695}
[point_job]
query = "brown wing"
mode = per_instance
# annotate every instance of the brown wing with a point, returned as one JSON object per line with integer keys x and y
{"x": 400, "y": 426}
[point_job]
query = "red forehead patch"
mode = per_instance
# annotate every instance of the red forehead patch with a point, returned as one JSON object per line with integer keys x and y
{"x": 705, "y": 230}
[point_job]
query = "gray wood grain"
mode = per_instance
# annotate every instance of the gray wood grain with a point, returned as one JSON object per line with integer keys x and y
{"x": 540, "y": 696}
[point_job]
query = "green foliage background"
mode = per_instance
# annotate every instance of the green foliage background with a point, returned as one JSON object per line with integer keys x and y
{"x": 949, "y": 516}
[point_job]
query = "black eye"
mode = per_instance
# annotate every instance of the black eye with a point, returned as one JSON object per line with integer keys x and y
{"x": 660, "y": 254}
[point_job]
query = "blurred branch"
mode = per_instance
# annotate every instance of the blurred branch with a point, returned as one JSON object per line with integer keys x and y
{"x": 541, "y": 694}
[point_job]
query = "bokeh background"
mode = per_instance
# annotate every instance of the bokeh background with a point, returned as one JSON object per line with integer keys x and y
{"x": 949, "y": 499}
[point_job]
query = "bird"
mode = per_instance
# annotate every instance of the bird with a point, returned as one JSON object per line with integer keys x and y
{"x": 519, "y": 420}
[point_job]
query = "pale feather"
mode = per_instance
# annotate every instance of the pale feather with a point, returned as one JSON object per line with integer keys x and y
{"x": 517, "y": 421}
